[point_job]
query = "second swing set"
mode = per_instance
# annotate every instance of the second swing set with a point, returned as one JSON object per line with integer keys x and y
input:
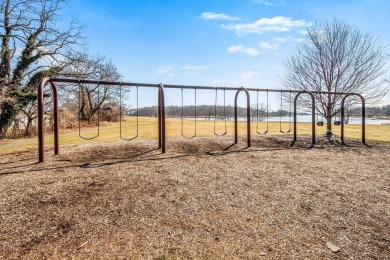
{"x": 224, "y": 117}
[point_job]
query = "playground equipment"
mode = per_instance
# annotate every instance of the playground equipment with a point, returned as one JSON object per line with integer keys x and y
{"x": 98, "y": 113}
{"x": 120, "y": 115}
{"x": 320, "y": 122}
{"x": 257, "y": 115}
{"x": 337, "y": 118}
{"x": 313, "y": 112}
{"x": 363, "y": 116}
{"x": 224, "y": 112}
{"x": 337, "y": 121}
{"x": 182, "y": 116}
{"x": 161, "y": 108}
{"x": 248, "y": 116}
{"x": 280, "y": 115}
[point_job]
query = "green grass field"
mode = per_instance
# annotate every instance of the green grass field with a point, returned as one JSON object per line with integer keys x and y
{"x": 148, "y": 130}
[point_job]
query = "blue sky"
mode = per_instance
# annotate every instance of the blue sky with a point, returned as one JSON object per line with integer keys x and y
{"x": 212, "y": 42}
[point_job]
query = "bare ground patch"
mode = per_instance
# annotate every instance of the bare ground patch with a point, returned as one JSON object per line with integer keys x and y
{"x": 202, "y": 199}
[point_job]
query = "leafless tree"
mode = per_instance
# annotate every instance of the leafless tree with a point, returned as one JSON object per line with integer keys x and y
{"x": 91, "y": 97}
{"x": 32, "y": 45}
{"x": 336, "y": 57}
{"x": 30, "y": 113}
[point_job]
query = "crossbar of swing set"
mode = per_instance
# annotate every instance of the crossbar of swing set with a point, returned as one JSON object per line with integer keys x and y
{"x": 161, "y": 108}
{"x": 147, "y": 85}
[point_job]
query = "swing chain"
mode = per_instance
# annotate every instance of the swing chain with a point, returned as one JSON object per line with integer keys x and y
{"x": 224, "y": 111}
{"x": 289, "y": 115}
{"x": 182, "y": 114}
{"x": 120, "y": 117}
{"x": 98, "y": 111}
{"x": 257, "y": 115}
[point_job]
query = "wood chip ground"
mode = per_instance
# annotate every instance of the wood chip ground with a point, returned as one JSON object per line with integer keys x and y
{"x": 203, "y": 199}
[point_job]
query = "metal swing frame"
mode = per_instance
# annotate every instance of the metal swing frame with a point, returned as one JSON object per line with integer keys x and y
{"x": 161, "y": 109}
{"x": 363, "y": 112}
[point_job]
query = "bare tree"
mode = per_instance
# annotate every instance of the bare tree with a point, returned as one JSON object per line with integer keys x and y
{"x": 32, "y": 46}
{"x": 336, "y": 57}
{"x": 30, "y": 113}
{"x": 91, "y": 97}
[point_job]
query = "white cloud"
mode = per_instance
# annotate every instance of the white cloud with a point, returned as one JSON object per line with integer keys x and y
{"x": 269, "y": 2}
{"x": 235, "y": 48}
{"x": 299, "y": 40}
{"x": 216, "y": 16}
{"x": 275, "y": 24}
{"x": 269, "y": 46}
{"x": 243, "y": 49}
{"x": 166, "y": 70}
{"x": 280, "y": 39}
{"x": 247, "y": 74}
{"x": 196, "y": 68}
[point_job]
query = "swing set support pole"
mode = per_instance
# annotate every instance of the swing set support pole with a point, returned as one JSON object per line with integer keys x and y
{"x": 313, "y": 117}
{"x": 162, "y": 126}
{"x": 363, "y": 118}
{"x": 159, "y": 118}
{"x": 41, "y": 119}
{"x": 248, "y": 115}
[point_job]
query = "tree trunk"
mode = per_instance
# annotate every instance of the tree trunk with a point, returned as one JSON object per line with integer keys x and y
{"x": 7, "y": 115}
{"x": 329, "y": 126}
{"x": 28, "y": 126}
{"x": 83, "y": 114}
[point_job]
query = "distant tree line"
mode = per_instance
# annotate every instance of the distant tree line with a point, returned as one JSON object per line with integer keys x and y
{"x": 208, "y": 112}
{"x": 380, "y": 111}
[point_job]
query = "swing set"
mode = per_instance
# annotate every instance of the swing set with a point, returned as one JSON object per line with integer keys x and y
{"x": 162, "y": 117}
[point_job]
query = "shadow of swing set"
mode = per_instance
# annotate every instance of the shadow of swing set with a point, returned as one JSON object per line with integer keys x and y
{"x": 161, "y": 110}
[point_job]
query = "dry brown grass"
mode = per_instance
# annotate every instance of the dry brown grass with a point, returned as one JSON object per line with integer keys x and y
{"x": 148, "y": 130}
{"x": 201, "y": 200}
